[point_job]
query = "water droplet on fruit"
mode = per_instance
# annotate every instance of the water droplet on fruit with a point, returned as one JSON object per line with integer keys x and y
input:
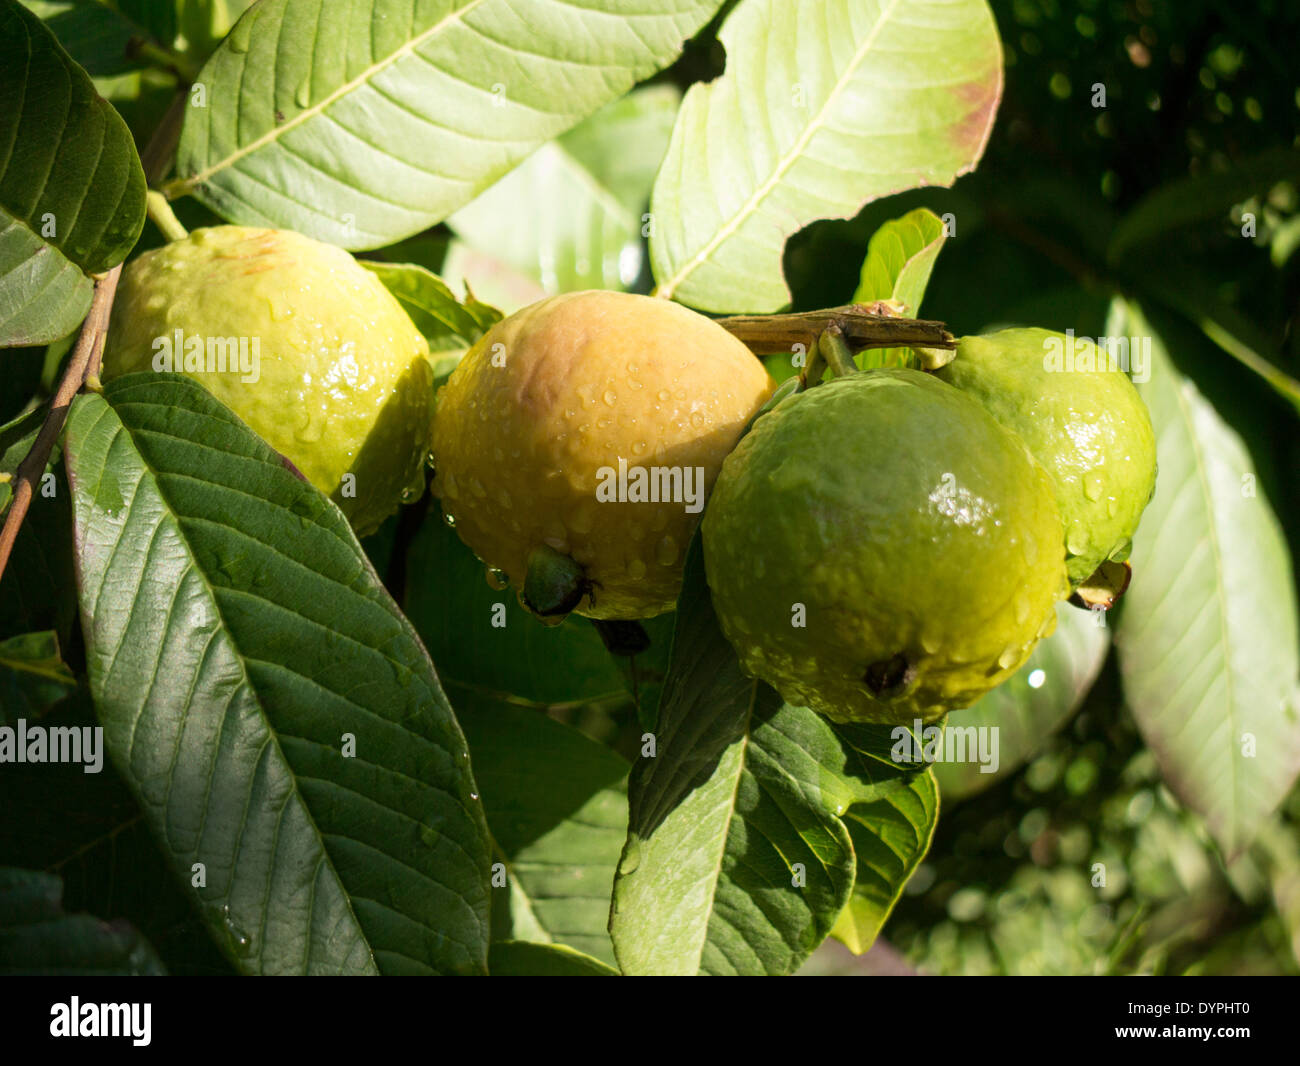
{"x": 1077, "y": 541}
{"x": 636, "y": 569}
{"x": 496, "y": 579}
{"x": 1010, "y": 655}
{"x": 1112, "y": 506}
{"x": 450, "y": 519}
{"x": 610, "y": 397}
{"x": 431, "y": 462}
{"x": 1093, "y": 486}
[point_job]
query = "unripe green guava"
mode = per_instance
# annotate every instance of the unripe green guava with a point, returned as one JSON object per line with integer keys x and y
{"x": 1083, "y": 421}
{"x": 584, "y": 432}
{"x": 301, "y": 342}
{"x": 880, "y": 549}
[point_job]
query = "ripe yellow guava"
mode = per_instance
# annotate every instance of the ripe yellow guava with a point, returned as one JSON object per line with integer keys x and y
{"x": 301, "y": 342}
{"x": 1083, "y": 421}
{"x": 879, "y": 549}
{"x": 580, "y": 437}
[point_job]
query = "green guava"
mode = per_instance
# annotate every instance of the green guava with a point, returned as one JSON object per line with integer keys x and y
{"x": 301, "y": 342}
{"x": 576, "y": 442}
{"x": 1083, "y": 421}
{"x": 880, "y": 549}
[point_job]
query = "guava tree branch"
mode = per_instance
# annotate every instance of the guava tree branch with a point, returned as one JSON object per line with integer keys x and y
{"x": 85, "y": 357}
{"x": 860, "y": 325}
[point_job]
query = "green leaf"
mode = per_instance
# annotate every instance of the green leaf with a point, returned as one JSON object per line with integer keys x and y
{"x": 445, "y": 321}
{"x": 569, "y": 217}
{"x": 37, "y": 937}
{"x": 33, "y": 676}
{"x": 239, "y": 644}
{"x": 825, "y": 106}
{"x": 519, "y": 958}
{"x": 1187, "y": 292}
{"x": 897, "y": 267}
{"x": 1032, "y": 704}
{"x": 482, "y": 638}
{"x": 368, "y": 130}
{"x": 1178, "y": 204}
{"x": 71, "y": 186}
{"x": 1207, "y": 635}
{"x": 890, "y": 838}
{"x": 556, "y": 805}
{"x": 738, "y": 858}
{"x": 899, "y": 260}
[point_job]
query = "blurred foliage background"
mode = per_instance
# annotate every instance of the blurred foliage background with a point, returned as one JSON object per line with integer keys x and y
{"x": 1195, "y": 89}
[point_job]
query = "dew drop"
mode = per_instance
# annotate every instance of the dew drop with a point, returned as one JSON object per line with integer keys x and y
{"x": 1077, "y": 542}
{"x": 242, "y": 34}
{"x": 610, "y": 397}
{"x": 1093, "y": 486}
{"x": 496, "y": 579}
{"x": 1008, "y": 658}
{"x": 449, "y": 519}
{"x": 631, "y": 859}
{"x": 303, "y": 96}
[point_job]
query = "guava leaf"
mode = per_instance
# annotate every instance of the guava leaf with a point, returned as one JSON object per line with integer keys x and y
{"x": 595, "y": 184}
{"x": 72, "y": 191}
{"x": 482, "y": 638}
{"x": 556, "y": 804}
{"x": 384, "y": 118}
{"x": 445, "y": 321}
{"x": 495, "y": 280}
{"x": 899, "y": 259}
{"x": 520, "y": 958}
{"x": 1031, "y": 705}
{"x": 33, "y": 675}
{"x": 1207, "y": 635}
{"x": 238, "y": 645}
{"x": 825, "y": 105}
{"x": 890, "y": 838}
{"x": 739, "y": 858}
{"x": 37, "y": 937}
{"x": 1176, "y": 205}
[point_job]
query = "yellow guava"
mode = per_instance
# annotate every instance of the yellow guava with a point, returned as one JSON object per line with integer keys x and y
{"x": 579, "y": 438}
{"x": 301, "y": 342}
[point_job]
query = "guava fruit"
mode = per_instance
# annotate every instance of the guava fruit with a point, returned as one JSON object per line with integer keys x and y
{"x": 301, "y": 342}
{"x": 1083, "y": 421}
{"x": 576, "y": 442}
{"x": 880, "y": 549}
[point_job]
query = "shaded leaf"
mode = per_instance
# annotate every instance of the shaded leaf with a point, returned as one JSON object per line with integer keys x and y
{"x": 519, "y": 958}
{"x": 237, "y": 641}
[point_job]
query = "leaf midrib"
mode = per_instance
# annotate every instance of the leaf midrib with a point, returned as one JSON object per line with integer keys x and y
{"x": 275, "y": 132}
{"x": 791, "y": 157}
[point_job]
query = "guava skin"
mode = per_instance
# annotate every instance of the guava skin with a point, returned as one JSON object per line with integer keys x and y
{"x": 564, "y": 389}
{"x": 1089, "y": 429}
{"x": 918, "y": 538}
{"x": 344, "y": 385}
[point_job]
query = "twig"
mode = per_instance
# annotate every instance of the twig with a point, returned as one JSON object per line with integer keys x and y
{"x": 86, "y": 357}
{"x": 769, "y": 334}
